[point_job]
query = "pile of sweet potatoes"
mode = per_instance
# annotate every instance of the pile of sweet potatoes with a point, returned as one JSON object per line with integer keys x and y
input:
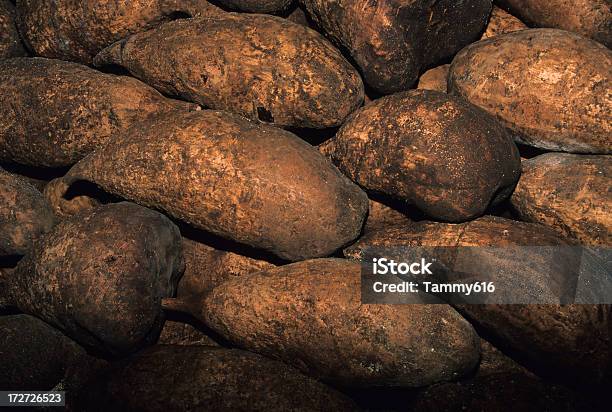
{"x": 188, "y": 191}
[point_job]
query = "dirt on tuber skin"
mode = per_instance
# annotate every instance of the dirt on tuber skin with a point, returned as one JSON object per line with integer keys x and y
{"x": 10, "y": 42}
{"x": 251, "y": 183}
{"x": 549, "y": 339}
{"x": 392, "y": 42}
{"x": 24, "y": 215}
{"x": 76, "y": 30}
{"x": 309, "y": 315}
{"x": 589, "y": 18}
{"x": 176, "y": 332}
{"x": 257, "y": 6}
{"x": 36, "y": 356}
{"x": 568, "y": 193}
{"x": 262, "y": 67}
{"x": 502, "y": 22}
{"x": 198, "y": 378}
{"x": 572, "y": 109}
{"x": 53, "y": 113}
{"x": 100, "y": 277}
{"x": 431, "y": 150}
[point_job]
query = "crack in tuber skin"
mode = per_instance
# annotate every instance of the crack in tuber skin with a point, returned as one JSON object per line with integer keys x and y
{"x": 76, "y": 30}
{"x": 262, "y": 67}
{"x": 309, "y": 315}
{"x": 100, "y": 276}
{"x": 251, "y": 183}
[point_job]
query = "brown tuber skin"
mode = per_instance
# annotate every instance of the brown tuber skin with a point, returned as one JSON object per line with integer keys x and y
{"x": 257, "y": 6}
{"x": 197, "y": 378}
{"x": 381, "y": 216}
{"x": 434, "y": 79}
{"x": 10, "y": 42}
{"x": 393, "y": 41}
{"x": 251, "y": 183}
{"x": 24, "y": 215}
{"x": 590, "y": 18}
{"x": 568, "y": 193}
{"x": 53, "y": 113}
{"x": 502, "y": 22}
{"x": 100, "y": 277}
{"x": 309, "y": 314}
{"x": 572, "y": 109}
{"x": 262, "y": 67}
{"x": 429, "y": 149}
{"x": 34, "y": 355}
{"x": 76, "y": 30}
{"x": 206, "y": 268}
{"x": 549, "y": 339}
{"x": 184, "y": 334}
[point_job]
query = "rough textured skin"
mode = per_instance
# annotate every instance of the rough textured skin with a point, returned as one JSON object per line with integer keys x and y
{"x": 502, "y": 22}
{"x": 502, "y": 392}
{"x": 197, "y": 378}
{"x": 76, "y": 30}
{"x": 393, "y": 41}
{"x": 63, "y": 206}
{"x": 590, "y": 18}
{"x": 568, "y": 193}
{"x": 262, "y": 67}
{"x": 257, "y": 6}
{"x": 24, "y": 215}
{"x": 33, "y": 355}
{"x": 100, "y": 277}
{"x": 298, "y": 15}
{"x": 309, "y": 314}
{"x": 179, "y": 333}
{"x": 252, "y": 183}
{"x": 434, "y": 79}
{"x": 571, "y": 342}
{"x": 572, "y": 109}
{"x": 429, "y": 149}
{"x": 206, "y": 268}
{"x": 381, "y": 216}
{"x": 53, "y": 113}
{"x": 10, "y": 42}
{"x": 493, "y": 361}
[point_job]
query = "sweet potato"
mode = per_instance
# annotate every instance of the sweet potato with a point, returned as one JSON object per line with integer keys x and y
{"x": 434, "y": 79}
{"x": 309, "y": 314}
{"x": 570, "y": 194}
{"x": 590, "y": 18}
{"x": 257, "y": 6}
{"x": 24, "y": 214}
{"x": 502, "y": 22}
{"x": 393, "y": 41}
{"x": 100, "y": 277}
{"x": 53, "y": 113}
{"x": 572, "y": 109}
{"x": 10, "y": 42}
{"x": 549, "y": 339}
{"x": 34, "y": 355}
{"x": 255, "y": 184}
{"x": 262, "y": 67}
{"x": 76, "y": 30}
{"x": 402, "y": 145}
{"x": 198, "y": 378}
{"x": 180, "y": 333}
{"x": 381, "y": 216}
{"x": 206, "y": 268}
